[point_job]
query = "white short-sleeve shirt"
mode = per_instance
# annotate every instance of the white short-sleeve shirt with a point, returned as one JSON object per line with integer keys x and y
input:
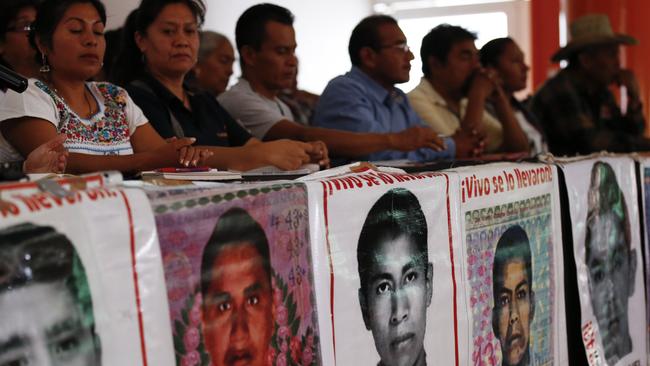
{"x": 254, "y": 111}
{"x": 107, "y": 132}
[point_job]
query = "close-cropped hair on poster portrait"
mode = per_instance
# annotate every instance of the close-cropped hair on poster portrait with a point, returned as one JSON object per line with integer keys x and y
{"x": 396, "y": 278}
{"x": 236, "y": 285}
{"x": 610, "y": 260}
{"x": 46, "y": 307}
{"x": 514, "y": 298}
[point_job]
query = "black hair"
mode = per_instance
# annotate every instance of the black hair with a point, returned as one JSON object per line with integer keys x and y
{"x": 366, "y": 34}
{"x": 9, "y": 10}
{"x": 127, "y": 54}
{"x": 113, "y": 45}
{"x": 129, "y": 64}
{"x": 250, "y": 29}
{"x": 573, "y": 62}
{"x": 49, "y": 15}
{"x": 573, "y": 59}
{"x": 32, "y": 253}
{"x": 492, "y": 51}
{"x": 439, "y": 41}
{"x": 397, "y": 213}
{"x": 235, "y": 227}
{"x": 512, "y": 245}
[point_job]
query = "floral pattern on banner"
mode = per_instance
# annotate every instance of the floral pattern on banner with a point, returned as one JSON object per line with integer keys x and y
{"x": 185, "y": 222}
{"x": 484, "y": 227}
{"x": 112, "y": 127}
{"x": 188, "y": 338}
{"x": 288, "y": 346}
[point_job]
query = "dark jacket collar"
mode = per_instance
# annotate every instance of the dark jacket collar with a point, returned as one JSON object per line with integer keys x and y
{"x": 162, "y": 92}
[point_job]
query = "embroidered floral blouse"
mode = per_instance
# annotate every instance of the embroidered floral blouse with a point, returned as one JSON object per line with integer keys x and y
{"x": 107, "y": 132}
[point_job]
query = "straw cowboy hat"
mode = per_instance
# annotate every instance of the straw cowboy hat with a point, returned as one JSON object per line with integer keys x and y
{"x": 590, "y": 30}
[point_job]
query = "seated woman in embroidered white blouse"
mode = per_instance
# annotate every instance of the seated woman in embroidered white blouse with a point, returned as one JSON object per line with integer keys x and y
{"x": 105, "y": 130}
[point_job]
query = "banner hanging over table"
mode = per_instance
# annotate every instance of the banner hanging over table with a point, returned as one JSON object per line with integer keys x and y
{"x": 60, "y": 186}
{"x": 644, "y": 176}
{"x": 607, "y": 247}
{"x": 512, "y": 265}
{"x": 239, "y": 275}
{"x": 81, "y": 280}
{"x": 385, "y": 270}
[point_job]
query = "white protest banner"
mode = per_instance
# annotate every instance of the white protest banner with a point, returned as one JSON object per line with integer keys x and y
{"x": 603, "y": 205}
{"x": 643, "y": 175}
{"x": 239, "y": 276}
{"x": 512, "y": 265}
{"x": 81, "y": 280}
{"x": 385, "y": 277}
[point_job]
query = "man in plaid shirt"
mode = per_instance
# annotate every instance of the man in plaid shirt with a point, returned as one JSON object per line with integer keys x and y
{"x": 576, "y": 108}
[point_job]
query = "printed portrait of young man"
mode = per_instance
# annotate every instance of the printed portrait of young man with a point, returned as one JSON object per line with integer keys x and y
{"x": 238, "y": 310}
{"x": 514, "y": 299}
{"x": 46, "y": 312}
{"x": 396, "y": 278}
{"x": 610, "y": 260}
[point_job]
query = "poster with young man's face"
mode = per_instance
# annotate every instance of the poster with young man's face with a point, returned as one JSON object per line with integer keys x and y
{"x": 80, "y": 280}
{"x": 385, "y": 275}
{"x": 239, "y": 275}
{"x": 607, "y": 249}
{"x": 512, "y": 260}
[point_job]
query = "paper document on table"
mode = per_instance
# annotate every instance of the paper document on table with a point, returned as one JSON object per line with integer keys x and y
{"x": 271, "y": 170}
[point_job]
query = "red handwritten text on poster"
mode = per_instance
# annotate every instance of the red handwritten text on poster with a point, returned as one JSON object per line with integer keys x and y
{"x": 373, "y": 178}
{"x": 45, "y": 201}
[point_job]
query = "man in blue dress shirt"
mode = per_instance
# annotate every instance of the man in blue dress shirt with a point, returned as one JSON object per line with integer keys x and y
{"x": 266, "y": 43}
{"x": 366, "y": 99}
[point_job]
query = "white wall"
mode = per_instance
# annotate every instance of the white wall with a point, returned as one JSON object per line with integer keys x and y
{"x": 322, "y": 32}
{"x": 323, "y": 29}
{"x": 417, "y": 22}
{"x": 117, "y": 10}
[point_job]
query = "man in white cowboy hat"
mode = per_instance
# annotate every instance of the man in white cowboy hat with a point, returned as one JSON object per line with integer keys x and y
{"x": 576, "y": 108}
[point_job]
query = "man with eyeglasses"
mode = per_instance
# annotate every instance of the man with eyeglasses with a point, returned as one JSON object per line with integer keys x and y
{"x": 266, "y": 43}
{"x": 16, "y": 17}
{"x": 366, "y": 100}
{"x": 455, "y": 90}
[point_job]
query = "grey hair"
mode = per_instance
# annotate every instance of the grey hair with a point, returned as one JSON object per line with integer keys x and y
{"x": 209, "y": 42}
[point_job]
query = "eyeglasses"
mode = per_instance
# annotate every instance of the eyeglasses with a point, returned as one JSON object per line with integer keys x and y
{"x": 20, "y": 27}
{"x": 404, "y": 47}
